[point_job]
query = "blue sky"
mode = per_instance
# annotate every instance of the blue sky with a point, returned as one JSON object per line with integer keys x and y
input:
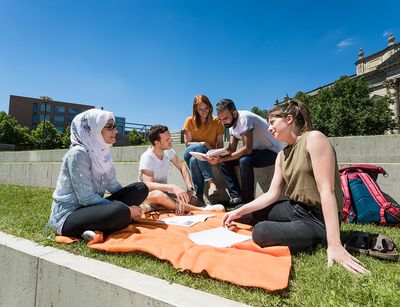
{"x": 146, "y": 60}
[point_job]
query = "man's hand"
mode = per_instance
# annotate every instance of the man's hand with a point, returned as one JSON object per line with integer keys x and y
{"x": 181, "y": 194}
{"x": 213, "y": 160}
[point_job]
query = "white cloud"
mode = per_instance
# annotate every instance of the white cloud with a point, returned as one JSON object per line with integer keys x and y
{"x": 386, "y": 33}
{"x": 345, "y": 43}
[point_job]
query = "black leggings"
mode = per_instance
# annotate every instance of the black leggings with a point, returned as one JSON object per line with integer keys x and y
{"x": 106, "y": 217}
{"x": 296, "y": 225}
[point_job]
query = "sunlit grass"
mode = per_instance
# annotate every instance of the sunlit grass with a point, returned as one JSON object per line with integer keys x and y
{"x": 24, "y": 212}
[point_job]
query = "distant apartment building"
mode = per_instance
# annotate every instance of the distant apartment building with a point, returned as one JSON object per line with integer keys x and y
{"x": 29, "y": 112}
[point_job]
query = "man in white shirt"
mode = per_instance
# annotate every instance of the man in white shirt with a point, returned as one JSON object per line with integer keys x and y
{"x": 153, "y": 170}
{"x": 259, "y": 149}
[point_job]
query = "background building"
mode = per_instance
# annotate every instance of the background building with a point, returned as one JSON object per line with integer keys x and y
{"x": 381, "y": 71}
{"x": 29, "y": 112}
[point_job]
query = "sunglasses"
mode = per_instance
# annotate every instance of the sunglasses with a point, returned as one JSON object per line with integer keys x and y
{"x": 152, "y": 214}
{"x": 110, "y": 127}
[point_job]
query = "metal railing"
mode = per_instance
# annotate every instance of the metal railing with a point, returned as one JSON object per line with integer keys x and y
{"x": 143, "y": 129}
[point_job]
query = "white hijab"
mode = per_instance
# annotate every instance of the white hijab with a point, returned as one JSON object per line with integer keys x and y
{"x": 86, "y": 131}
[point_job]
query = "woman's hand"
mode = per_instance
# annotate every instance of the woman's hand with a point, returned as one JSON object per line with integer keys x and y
{"x": 206, "y": 145}
{"x": 337, "y": 253}
{"x": 231, "y": 216}
{"x": 136, "y": 211}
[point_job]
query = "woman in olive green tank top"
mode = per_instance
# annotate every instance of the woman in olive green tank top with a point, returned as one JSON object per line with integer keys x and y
{"x": 307, "y": 167}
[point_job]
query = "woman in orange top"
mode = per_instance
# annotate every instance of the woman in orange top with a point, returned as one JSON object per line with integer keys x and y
{"x": 202, "y": 132}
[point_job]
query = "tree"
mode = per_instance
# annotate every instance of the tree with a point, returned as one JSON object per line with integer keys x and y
{"x": 66, "y": 137}
{"x": 11, "y": 132}
{"x": 135, "y": 138}
{"x": 45, "y": 136}
{"x": 345, "y": 109}
{"x": 260, "y": 112}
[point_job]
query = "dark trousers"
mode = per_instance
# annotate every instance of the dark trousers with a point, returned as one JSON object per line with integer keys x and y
{"x": 258, "y": 158}
{"x": 296, "y": 225}
{"x": 106, "y": 217}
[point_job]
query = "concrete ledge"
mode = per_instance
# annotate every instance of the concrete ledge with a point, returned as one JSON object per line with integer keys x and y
{"x": 368, "y": 149}
{"x": 41, "y": 168}
{"x": 33, "y": 275}
{"x": 39, "y": 174}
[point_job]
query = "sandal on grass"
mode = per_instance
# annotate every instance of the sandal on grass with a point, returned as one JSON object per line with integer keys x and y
{"x": 383, "y": 247}
{"x": 374, "y": 245}
{"x": 358, "y": 242}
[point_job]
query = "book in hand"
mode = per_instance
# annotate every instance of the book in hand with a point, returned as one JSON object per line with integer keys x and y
{"x": 219, "y": 152}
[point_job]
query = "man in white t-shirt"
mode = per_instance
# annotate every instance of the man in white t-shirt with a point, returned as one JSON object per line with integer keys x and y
{"x": 153, "y": 170}
{"x": 259, "y": 149}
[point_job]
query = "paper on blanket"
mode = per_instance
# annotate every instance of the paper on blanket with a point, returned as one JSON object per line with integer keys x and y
{"x": 211, "y": 153}
{"x": 186, "y": 220}
{"x": 217, "y": 237}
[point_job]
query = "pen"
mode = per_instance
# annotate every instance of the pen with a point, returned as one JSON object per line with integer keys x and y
{"x": 231, "y": 225}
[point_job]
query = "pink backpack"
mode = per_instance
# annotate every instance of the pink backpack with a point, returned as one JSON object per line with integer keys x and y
{"x": 364, "y": 201}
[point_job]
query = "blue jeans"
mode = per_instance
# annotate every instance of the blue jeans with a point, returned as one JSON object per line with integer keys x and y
{"x": 200, "y": 170}
{"x": 258, "y": 158}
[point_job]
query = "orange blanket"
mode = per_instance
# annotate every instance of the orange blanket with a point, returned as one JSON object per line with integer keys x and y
{"x": 245, "y": 264}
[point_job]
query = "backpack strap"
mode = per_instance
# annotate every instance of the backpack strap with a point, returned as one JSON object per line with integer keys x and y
{"x": 378, "y": 196}
{"x": 347, "y": 200}
{"x": 372, "y": 170}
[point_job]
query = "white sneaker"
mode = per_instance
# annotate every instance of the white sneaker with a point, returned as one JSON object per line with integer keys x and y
{"x": 213, "y": 191}
{"x": 88, "y": 235}
{"x": 217, "y": 208}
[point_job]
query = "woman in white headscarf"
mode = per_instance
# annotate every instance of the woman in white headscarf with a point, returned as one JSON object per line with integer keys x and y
{"x": 87, "y": 171}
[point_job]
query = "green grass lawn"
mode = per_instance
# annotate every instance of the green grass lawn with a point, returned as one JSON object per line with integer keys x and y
{"x": 24, "y": 212}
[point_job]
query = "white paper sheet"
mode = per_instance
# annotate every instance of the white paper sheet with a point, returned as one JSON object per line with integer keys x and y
{"x": 218, "y": 237}
{"x": 186, "y": 220}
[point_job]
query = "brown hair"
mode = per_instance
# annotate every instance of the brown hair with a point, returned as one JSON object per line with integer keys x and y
{"x": 296, "y": 108}
{"x": 225, "y": 103}
{"x": 199, "y": 99}
{"x": 154, "y": 133}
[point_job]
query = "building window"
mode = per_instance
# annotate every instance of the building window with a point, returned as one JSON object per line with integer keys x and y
{"x": 59, "y": 128}
{"x": 43, "y": 106}
{"x": 120, "y": 123}
{"x": 41, "y": 117}
{"x": 59, "y": 120}
{"x": 34, "y": 115}
{"x": 70, "y": 118}
{"x": 74, "y": 111}
{"x": 59, "y": 110}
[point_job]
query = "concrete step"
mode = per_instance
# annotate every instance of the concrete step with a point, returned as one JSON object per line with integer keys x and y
{"x": 33, "y": 275}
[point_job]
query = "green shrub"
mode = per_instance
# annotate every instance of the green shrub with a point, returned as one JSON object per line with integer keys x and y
{"x": 135, "y": 138}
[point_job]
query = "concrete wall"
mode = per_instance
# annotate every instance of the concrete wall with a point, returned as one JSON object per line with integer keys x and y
{"x": 37, "y": 276}
{"x": 40, "y": 168}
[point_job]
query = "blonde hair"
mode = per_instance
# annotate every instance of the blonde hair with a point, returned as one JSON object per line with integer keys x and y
{"x": 199, "y": 99}
{"x": 296, "y": 108}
